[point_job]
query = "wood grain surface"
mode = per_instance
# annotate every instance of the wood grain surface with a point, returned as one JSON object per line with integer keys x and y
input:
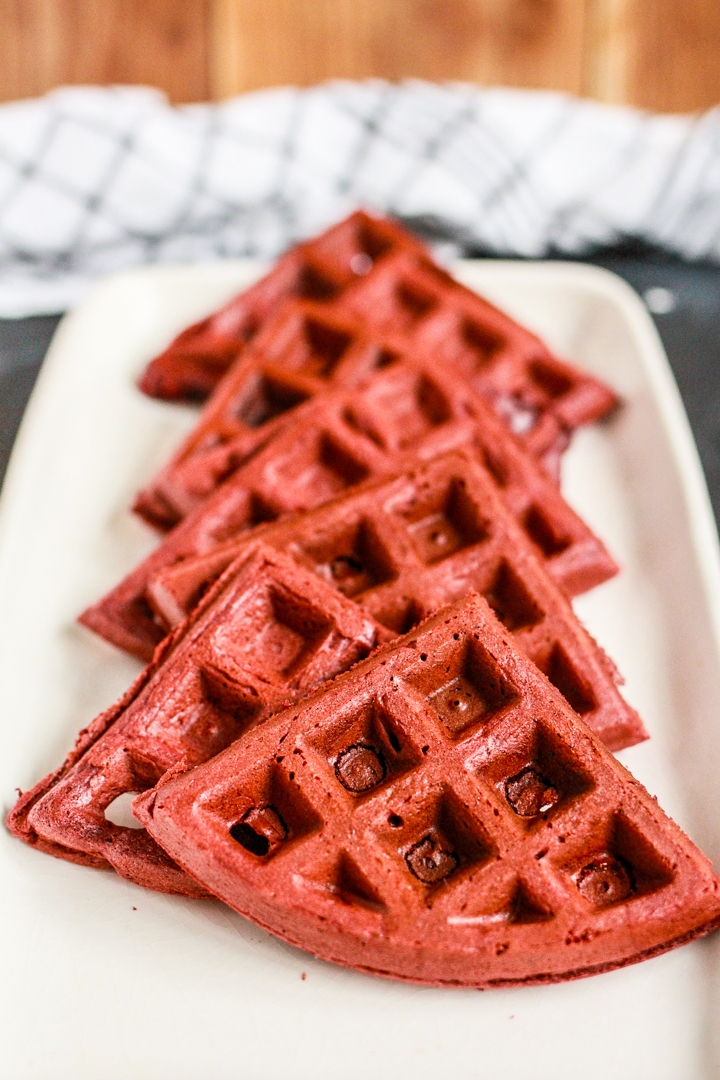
{"x": 658, "y": 54}
{"x": 514, "y": 42}
{"x": 47, "y": 43}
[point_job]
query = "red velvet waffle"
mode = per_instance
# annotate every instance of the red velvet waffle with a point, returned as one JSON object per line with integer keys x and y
{"x": 439, "y": 814}
{"x": 541, "y": 398}
{"x": 189, "y": 369}
{"x": 299, "y": 352}
{"x": 382, "y": 274}
{"x": 406, "y": 547}
{"x": 267, "y": 635}
{"x": 343, "y": 437}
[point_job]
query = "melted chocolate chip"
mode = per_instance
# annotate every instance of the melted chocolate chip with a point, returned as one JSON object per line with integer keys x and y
{"x": 429, "y": 862}
{"x": 529, "y": 793}
{"x": 360, "y": 768}
{"x": 260, "y": 831}
{"x": 605, "y": 881}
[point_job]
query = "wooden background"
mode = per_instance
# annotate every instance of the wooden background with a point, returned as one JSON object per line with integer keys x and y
{"x": 658, "y": 54}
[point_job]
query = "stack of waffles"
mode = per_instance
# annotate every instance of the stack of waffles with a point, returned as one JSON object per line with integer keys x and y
{"x": 371, "y": 721}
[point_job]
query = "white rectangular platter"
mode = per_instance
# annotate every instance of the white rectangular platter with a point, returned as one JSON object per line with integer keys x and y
{"x": 101, "y": 979}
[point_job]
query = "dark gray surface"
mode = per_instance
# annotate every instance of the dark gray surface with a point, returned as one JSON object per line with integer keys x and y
{"x": 23, "y": 344}
{"x": 691, "y": 336}
{"x": 690, "y": 333}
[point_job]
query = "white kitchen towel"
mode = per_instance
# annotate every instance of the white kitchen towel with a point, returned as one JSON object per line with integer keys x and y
{"x": 95, "y": 180}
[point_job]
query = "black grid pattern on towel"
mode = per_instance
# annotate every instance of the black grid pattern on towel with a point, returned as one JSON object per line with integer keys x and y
{"x": 96, "y": 180}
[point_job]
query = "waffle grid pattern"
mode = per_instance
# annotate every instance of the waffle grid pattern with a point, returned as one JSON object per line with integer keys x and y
{"x": 346, "y": 437}
{"x": 541, "y": 398}
{"x": 318, "y": 270}
{"x": 412, "y": 545}
{"x": 268, "y": 634}
{"x": 380, "y": 273}
{"x": 430, "y": 851}
{"x": 298, "y": 354}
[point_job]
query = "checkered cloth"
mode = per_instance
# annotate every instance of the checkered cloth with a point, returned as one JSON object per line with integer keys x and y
{"x": 95, "y": 180}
